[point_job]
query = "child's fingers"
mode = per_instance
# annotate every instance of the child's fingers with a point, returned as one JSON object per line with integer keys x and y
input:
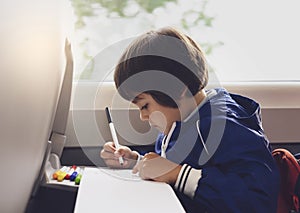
{"x": 109, "y": 147}
{"x": 106, "y": 155}
{"x": 108, "y": 150}
{"x": 113, "y": 163}
{"x": 136, "y": 168}
{"x": 122, "y": 151}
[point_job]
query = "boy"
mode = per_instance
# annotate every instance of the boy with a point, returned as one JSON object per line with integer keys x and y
{"x": 212, "y": 149}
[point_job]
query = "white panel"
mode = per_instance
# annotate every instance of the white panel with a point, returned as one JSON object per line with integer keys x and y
{"x": 280, "y": 103}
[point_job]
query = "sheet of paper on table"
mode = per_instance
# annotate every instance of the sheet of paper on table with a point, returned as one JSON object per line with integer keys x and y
{"x": 107, "y": 190}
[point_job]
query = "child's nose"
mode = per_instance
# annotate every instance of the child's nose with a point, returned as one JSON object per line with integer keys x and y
{"x": 144, "y": 116}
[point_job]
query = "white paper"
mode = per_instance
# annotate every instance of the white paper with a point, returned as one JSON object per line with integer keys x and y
{"x": 105, "y": 190}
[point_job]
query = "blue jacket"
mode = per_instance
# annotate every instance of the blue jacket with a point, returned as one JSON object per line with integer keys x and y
{"x": 224, "y": 143}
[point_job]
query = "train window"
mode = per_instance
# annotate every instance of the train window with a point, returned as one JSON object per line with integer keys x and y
{"x": 243, "y": 40}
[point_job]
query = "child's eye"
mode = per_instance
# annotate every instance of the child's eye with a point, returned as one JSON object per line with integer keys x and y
{"x": 144, "y": 107}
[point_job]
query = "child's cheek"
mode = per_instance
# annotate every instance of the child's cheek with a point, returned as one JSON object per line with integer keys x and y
{"x": 158, "y": 120}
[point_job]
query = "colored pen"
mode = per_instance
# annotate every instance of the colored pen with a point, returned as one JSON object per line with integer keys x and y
{"x": 78, "y": 179}
{"x": 74, "y": 174}
{"x": 62, "y": 175}
{"x": 55, "y": 174}
{"x": 113, "y": 132}
{"x": 70, "y": 172}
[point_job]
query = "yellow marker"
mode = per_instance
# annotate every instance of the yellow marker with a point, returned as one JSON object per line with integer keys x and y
{"x": 56, "y": 174}
{"x": 61, "y": 176}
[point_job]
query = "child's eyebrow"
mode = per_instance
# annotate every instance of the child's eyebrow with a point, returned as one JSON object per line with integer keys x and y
{"x": 136, "y": 99}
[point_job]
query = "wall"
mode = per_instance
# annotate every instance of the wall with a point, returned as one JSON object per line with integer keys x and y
{"x": 280, "y": 104}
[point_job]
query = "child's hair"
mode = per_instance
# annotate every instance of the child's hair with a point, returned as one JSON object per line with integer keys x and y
{"x": 165, "y": 51}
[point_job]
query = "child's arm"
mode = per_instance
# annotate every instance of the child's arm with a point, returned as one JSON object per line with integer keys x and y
{"x": 157, "y": 168}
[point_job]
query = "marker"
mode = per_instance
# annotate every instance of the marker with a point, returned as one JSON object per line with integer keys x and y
{"x": 78, "y": 179}
{"x": 113, "y": 133}
{"x": 70, "y": 172}
{"x": 55, "y": 174}
{"x": 62, "y": 175}
{"x": 74, "y": 174}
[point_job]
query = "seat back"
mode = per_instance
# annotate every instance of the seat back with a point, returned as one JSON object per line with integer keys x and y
{"x": 31, "y": 66}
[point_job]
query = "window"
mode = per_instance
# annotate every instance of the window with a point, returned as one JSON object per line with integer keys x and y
{"x": 244, "y": 40}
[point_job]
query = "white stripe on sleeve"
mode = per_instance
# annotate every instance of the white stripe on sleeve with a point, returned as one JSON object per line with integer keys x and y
{"x": 187, "y": 180}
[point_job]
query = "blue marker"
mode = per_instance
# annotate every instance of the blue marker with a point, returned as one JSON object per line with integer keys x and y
{"x": 74, "y": 174}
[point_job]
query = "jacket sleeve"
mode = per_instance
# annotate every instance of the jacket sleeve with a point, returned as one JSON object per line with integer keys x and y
{"x": 240, "y": 177}
{"x": 187, "y": 181}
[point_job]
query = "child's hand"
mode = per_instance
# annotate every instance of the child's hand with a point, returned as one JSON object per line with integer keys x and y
{"x": 154, "y": 167}
{"x": 111, "y": 156}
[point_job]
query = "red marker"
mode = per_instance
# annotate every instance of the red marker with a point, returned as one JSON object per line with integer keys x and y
{"x": 67, "y": 177}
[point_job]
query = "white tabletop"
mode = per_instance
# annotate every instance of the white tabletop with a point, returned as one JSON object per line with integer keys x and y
{"x": 106, "y": 190}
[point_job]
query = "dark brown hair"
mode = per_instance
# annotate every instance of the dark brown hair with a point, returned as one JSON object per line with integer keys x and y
{"x": 164, "y": 52}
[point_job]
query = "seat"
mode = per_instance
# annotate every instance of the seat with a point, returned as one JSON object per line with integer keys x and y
{"x": 289, "y": 192}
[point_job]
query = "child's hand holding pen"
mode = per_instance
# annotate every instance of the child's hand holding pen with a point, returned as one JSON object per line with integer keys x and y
{"x": 113, "y": 151}
{"x": 111, "y": 155}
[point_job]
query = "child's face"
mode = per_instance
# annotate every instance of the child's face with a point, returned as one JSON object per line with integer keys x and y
{"x": 158, "y": 116}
